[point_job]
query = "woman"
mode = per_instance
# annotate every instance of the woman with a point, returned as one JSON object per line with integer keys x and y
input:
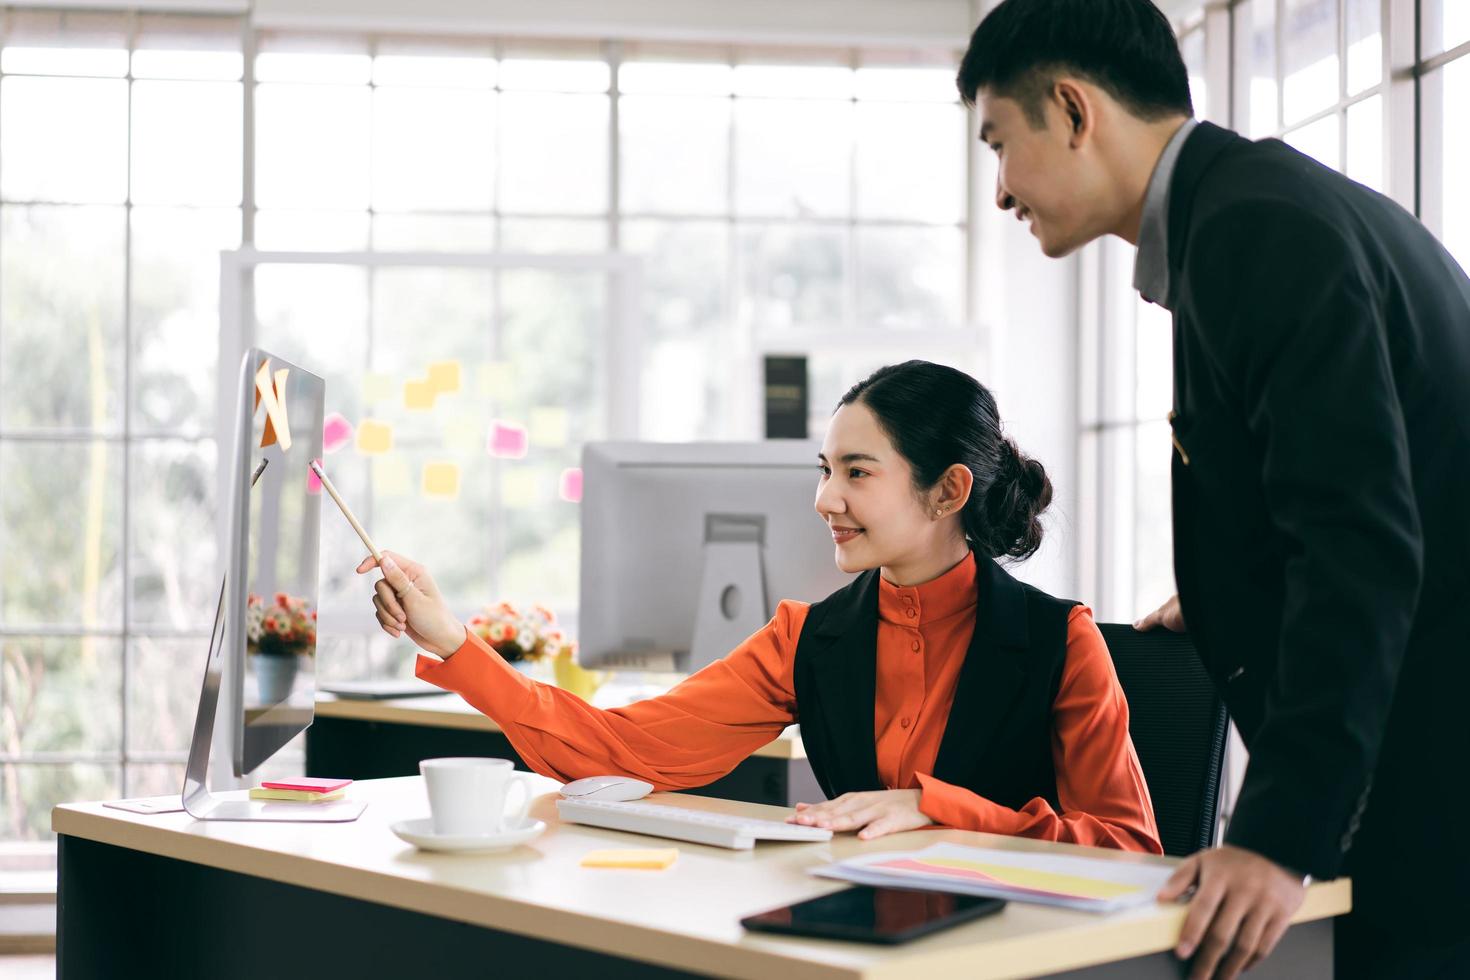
{"x": 935, "y": 688}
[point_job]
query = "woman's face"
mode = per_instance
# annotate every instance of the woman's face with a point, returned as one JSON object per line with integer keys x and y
{"x": 866, "y": 496}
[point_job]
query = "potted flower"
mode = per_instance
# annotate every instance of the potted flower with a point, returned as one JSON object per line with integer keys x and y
{"x": 531, "y": 636}
{"x": 277, "y": 636}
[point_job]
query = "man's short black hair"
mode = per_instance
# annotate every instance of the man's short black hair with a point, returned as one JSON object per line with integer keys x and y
{"x": 1127, "y": 47}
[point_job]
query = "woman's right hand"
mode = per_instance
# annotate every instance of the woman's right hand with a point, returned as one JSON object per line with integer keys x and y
{"x": 1169, "y": 616}
{"x": 407, "y": 601}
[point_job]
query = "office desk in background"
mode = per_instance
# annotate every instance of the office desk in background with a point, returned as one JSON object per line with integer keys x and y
{"x": 165, "y": 895}
{"x": 380, "y": 739}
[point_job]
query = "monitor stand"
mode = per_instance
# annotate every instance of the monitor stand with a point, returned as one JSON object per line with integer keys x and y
{"x": 732, "y": 588}
{"x": 200, "y": 803}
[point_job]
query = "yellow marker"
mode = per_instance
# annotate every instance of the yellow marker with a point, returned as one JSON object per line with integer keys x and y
{"x": 653, "y": 860}
{"x": 391, "y": 477}
{"x": 441, "y": 480}
{"x": 277, "y": 425}
{"x": 444, "y": 377}
{"x": 548, "y": 427}
{"x": 374, "y": 438}
{"x": 418, "y": 395}
{"x": 520, "y": 489}
{"x": 376, "y": 388}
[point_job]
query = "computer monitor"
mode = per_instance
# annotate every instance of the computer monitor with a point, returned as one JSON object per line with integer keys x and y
{"x": 687, "y": 548}
{"x": 261, "y": 662}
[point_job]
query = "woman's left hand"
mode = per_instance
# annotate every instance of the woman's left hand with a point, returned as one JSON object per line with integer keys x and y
{"x": 884, "y": 812}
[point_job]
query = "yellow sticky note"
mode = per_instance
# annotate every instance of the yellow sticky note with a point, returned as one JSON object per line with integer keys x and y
{"x": 391, "y": 477}
{"x": 441, "y": 481}
{"x": 376, "y": 388}
{"x": 464, "y": 434}
{"x": 496, "y": 378}
{"x": 548, "y": 427}
{"x": 653, "y": 860}
{"x": 418, "y": 395}
{"x": 374, "y": 438}
{"x": 520, "y": 488}
{"x": 444, "y": 377}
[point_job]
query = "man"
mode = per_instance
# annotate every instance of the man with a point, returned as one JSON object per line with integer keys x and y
{"x": 1321, "y": 474}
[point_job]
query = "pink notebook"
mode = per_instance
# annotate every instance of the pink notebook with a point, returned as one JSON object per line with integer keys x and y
{"x": 308, "y": 784}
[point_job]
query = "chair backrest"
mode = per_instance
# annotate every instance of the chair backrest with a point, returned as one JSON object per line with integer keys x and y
{"x": 1178, "y": 724}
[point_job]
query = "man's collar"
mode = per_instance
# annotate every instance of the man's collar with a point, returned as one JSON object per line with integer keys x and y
{"x": 1151, "y": 267}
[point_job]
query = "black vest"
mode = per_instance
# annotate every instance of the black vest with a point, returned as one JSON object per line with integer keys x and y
{"x": 998, "y": 739}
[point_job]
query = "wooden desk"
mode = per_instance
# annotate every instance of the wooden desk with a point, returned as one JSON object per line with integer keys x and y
{"x": 175, "y": 897}
{"x": 380, "y": 739}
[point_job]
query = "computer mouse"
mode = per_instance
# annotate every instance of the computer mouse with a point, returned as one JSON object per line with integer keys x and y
{"x": 615, "y": 788}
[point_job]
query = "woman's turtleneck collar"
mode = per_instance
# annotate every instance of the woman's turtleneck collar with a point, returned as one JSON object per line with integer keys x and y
{"x": 912, "y": 606}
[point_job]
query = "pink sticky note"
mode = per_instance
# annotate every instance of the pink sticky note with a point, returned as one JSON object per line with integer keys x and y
{"x": 336, "y": 432}
{"x": 571, "y": 486}
{"x": 313, "y": 482}
{"x": 507, "y": 441}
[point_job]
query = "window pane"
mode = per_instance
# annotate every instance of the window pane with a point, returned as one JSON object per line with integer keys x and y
{"x": 181, "y": 46}
{"x": 673, "y": 78}
{"x": 554, "y": 75}
{"x": 1255, "y": 32}
{"x": 906, "y": 84}
{"x": 554, "y": 153}
{"x": 64, "y": 139}
{"x": 61, "y": 306}
{"x": 316, "y": 316}
{"x": 460, "y": 66}
{"x": 794, "y": 81}
{"x": 311, "y": 231}
{"x": 1310, "y": 57}
{"x": 911, "y": 162}
{"x": 186, "y": 143}
{"x": 175, "y": 299}
{"x": 1319, "y": 140}
{"x": 552, "y": 235}
{"x": 55, "y": 42}
{"x": 344, "y": 67}
{"x": 675, "y": 154}
{"x": 1446, "y": 25}
{"x": 1364, "y": 45}
{"x": 1154, "y": 536}
{"x": 433, "y": 149}
{"x": 60, "y": 695}
{"x": 32, "y": 790}
{"x": 685, "y": 275}
{"x": 1446, "y": 153}
{"x": 1365, "y": 142}
{"x": 1155, "y": 353}
{"x": 171, "y": 511}
{"x": 1192, "y": 48}
{"x": 433, "y": 232}
{"x": 60, "y": 526}
{"x": 910, "y": 278}
{"x": 793, "y": 276}
{"x": 164, "y": 677}
{"x": 311, "y": 146}
{"x": 158, "y": 778}
{"x": 793, "y": 159}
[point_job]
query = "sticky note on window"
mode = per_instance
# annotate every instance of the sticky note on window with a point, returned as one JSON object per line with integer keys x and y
{"x": 313, "y": 482}
{"x": 496, "y": 378}
{"x": 374, "y": 438}
{"x": 377, "y": 388}
{"x": 548, "y": 429}
{"x": 336, "y": 433}
{"x": 444, "y": 377}
{"x": 520, "y": 489}
{"x": 441, "y": 481}
{"x": 391, "y": 477}
{"x": 652, "y": 860}
{"x": 506, "y": 441}
{"x": 418, "y": 396}
{"x": 462, "y": 434}
{"x": 571, "y": 486}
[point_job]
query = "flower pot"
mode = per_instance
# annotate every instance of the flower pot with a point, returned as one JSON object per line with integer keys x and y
{"x": 274, "y": 676}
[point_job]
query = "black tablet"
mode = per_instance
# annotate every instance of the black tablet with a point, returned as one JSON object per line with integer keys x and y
{"x": 874, "y": 915}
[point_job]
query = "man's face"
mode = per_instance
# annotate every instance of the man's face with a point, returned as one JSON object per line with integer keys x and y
{"x": 1050, "y": 182}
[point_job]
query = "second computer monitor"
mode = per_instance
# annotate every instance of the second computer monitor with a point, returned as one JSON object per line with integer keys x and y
{"x": 687, "y": 548}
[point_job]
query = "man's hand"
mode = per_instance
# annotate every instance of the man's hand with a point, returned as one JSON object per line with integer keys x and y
{"x": 407, "y": 601}
{"x": 1169, "y": 616}
{"x": 1241, "y": 907}
{"x": 883, "y": 812}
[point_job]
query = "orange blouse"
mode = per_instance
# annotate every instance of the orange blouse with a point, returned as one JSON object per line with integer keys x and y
{"x": 705, "y": 726}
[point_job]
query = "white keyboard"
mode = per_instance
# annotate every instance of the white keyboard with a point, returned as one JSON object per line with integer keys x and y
{"x": 658, "y": 820}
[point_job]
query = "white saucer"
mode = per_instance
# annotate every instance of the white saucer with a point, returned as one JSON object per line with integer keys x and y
{"x": 420, "y": 833}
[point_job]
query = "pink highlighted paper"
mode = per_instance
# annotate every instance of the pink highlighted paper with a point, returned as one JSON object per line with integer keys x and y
{"x": 507, "y": 441}
{"x": 336, "y": 433}
{"x": 571, "y": 486}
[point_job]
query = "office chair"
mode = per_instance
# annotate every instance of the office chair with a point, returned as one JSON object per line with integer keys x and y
{"x": 1178, "y": 725}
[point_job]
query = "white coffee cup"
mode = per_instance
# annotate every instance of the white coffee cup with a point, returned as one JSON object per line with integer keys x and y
{"x": 467, "y": 796}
